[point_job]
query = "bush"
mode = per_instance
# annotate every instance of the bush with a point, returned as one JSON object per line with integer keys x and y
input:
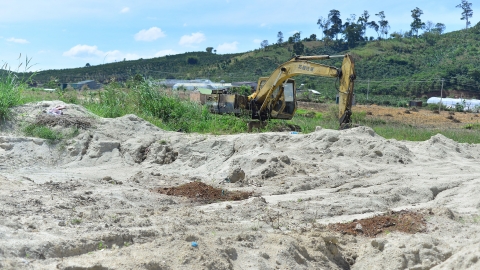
{"x": 435, "y": 107}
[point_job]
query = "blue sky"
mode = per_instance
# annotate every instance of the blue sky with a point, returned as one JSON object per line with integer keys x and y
{"x": 58, "y": 34}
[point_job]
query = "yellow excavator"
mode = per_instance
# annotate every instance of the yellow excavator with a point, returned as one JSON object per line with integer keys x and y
{"x": 275, "y": 96}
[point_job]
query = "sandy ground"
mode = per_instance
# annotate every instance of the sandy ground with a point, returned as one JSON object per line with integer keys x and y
{"x": 89, "y": 202}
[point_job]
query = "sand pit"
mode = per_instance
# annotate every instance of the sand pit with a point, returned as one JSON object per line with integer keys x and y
{"x": 87, "y": 202}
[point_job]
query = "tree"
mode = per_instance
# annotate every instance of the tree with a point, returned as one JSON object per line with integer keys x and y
{"x": 467, "y": 11}
{"x": 375, "y": 27}
{"x": 352, "y": 31}
{"x": 313, "y": 37}
{"x": 429, "y": 26}
{"x": 382, "y": 24}
{"x": 417, "y": 23}
{"x": 264, "y": 44}
{"x": 335, "y": 22}
{"x": 439, "y": 28}
{"x": 280, "y": 37}
{"x": 298, "y": 48}
{"x": 324, "y": 24}
{"x": 296, "y": 37}
{"x": 87, "y": 65}
{"x": 209, "y": 49}
{"x": 192, "y": 60}
{"x": 363, "y": 21}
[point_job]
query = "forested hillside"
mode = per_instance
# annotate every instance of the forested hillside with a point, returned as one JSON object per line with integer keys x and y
{"x": 399, "y": 65}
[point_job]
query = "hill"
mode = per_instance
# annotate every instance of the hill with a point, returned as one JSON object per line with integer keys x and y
{"x": 398, "y": 66}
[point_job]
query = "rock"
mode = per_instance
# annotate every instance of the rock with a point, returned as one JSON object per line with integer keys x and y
{"x": 359, "y": 227}
{"x": 62, "y": 223}
{"x": 264, "y": 255}
{"x": 237, "y": 175}
{"x": 285, "y": 159}
{"x": 378, "y": 244}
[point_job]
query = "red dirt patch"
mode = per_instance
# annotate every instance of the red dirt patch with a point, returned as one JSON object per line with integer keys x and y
{"x": 402, "y": 221}
{"x": 203, "y": 192}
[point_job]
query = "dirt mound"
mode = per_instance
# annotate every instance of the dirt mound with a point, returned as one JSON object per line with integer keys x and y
{"x": 92, "y": 200}
{"x": 402, "y": 221}
{"x": 203, "y": 192}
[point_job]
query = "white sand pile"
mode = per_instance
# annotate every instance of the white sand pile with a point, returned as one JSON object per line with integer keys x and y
{"x": 87, "y": 202}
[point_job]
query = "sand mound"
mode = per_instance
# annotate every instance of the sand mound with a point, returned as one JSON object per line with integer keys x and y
{"x": 86, "y": 203}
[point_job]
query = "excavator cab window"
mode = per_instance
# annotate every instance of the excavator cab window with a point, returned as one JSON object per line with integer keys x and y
{"x": 284, "y": 107}
{"x": 289, "y": 94}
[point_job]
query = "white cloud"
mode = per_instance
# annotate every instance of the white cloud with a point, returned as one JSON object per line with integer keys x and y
{"x": 125, "y": 10}
{"x": 263, "y": 25}
{"x": 17, "y": 40}
{"x": 94, "y": 54}
{"x": 165, "y": 52}
{"x": 185, "y": 24}
{"x": 190, "y": 40}
{"x": 150, "y": 34}
{"x": 83, "y": 51}
{"x": 227, "y": 47}
{"x": 257, "y": 41}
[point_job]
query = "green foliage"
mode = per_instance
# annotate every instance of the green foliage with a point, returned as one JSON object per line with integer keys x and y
{"x": 459, "y": 107}
{"x": 473, "y": 126}
{"x": 109, "y": 103}
{"x": 298, "y": 48}
{"x": 67, "y": 96}
{"x": 11, "y": 87}
{"x": 41, "y": 131}
{"x": 192, "y": 60}
{"x": 436, "y": 107}
{"x": 241, "y": 90}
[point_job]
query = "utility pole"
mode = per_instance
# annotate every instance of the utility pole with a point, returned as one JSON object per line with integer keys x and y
{"x": 441, "y": 97}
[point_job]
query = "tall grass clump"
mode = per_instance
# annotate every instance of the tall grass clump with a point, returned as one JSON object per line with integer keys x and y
{"x": 183, "y": 115}
{"x": 11, "y": 85}
{"x": 112, "y": 102}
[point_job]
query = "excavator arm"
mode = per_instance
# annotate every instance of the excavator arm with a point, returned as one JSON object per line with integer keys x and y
{"x": 270, "y": 90}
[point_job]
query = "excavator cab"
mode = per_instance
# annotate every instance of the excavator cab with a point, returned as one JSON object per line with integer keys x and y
{"x": 283, "y": 102}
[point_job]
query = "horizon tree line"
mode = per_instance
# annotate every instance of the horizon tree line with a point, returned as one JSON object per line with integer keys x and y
{"x": 353, "y": 30}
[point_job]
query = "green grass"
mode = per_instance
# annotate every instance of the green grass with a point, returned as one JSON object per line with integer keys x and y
{"x": 388, "y": 130}
{"x": 43, "y": 132}
{"x": 11, "y": 87}
{"x": 411, "y": 133}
